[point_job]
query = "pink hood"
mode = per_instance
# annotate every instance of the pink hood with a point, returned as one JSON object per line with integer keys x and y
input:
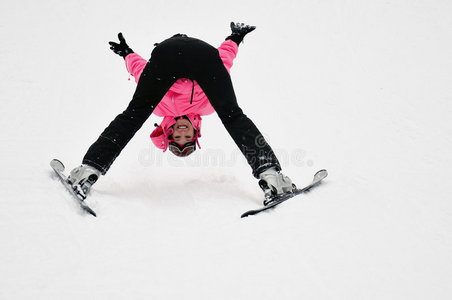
{"x": 176, "y": 101}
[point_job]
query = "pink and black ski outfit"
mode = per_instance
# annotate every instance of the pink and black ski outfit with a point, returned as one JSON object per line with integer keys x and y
{"x": 184, "y": 98}
{"x": 184, "y": 77}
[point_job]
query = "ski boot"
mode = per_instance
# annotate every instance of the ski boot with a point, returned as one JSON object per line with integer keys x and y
{"x": 82, "y": 178}
{"x": 274, "y": 183}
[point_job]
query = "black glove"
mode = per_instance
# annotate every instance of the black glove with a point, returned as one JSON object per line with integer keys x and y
{"x": 239, "y": 30}
{"x": 122, "y": 49}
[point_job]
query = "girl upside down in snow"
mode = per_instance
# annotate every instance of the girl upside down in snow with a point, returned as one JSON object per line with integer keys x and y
{"x": 185, "y": 78}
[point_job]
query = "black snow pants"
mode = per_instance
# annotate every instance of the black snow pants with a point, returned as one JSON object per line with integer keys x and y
{"x": 174, "y": 58}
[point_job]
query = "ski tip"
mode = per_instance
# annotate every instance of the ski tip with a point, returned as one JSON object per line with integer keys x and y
{"x": 57, "y": 165}
{"x": 321, "y": 174}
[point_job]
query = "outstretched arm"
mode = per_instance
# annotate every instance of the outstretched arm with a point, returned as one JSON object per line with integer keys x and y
{"x": 229, "y": 48}
{"x": 134, "y": 62}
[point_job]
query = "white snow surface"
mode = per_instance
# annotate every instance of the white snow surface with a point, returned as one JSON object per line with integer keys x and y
{"x": 361, "y": 88}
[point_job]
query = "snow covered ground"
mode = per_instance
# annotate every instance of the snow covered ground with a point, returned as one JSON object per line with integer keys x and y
{"x": 361, "y": 88}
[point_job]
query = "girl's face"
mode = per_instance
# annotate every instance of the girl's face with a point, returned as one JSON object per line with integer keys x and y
{"x": 183, "y": 131}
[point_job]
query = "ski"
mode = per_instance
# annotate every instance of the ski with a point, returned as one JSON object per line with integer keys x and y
{"x": 318, "y": 177}
{"x": 58, "y": 167}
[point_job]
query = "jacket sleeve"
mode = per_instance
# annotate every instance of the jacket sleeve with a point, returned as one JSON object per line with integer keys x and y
{"x": 135, "y": 65}
{"x": 228, "y": 51}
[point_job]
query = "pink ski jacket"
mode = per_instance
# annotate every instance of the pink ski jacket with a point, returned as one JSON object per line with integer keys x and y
{"x": 176, "y": 101}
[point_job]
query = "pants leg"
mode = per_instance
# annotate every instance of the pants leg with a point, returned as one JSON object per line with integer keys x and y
{"x": 151, "y": 88}
{"x": 216, "y": 83}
